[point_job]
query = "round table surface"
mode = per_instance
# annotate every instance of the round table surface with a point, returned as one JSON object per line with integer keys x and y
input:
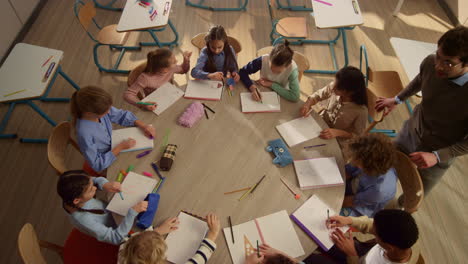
{"x": 225, "y": 153}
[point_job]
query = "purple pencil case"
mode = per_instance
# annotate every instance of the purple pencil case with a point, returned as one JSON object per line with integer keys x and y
{"x": 191, "y": 115}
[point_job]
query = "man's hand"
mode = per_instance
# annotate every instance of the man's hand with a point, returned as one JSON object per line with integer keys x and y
{"x": 423, "y": 159}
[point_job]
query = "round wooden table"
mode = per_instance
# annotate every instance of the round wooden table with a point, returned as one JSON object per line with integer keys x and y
{"x": 225, "y": 153}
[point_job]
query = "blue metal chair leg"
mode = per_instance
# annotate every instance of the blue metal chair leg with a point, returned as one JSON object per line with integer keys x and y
{"x": 242, "y": 6}
{"x": 158, "y": 43}
{"x": 291, "y": 7}
{"x": 5, "y": 121}
{"x": 107, "y": 6}
{"x": 115, "y": 68}
{"x": 44, "y": 115}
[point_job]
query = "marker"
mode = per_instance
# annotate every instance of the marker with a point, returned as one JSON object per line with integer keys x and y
{"x": 121, "y": 196}
{"x": 230, "y": 226}
{"x": 258, "y": 250}
{"x": 313, "y": 146}
{"x": 123, "y": 172}
{"x": 355, "y": 7}
{"x": 145, "y": 103}
{"x": 166, "y": 8}
{"x": 6, "y": 95}
{"x": 47, "y": 61}
{"x": 148, "y": 174}
{"x": 130, "y": 168}
{"x": 120, "y": 177}
{"x": 323, "y": 2}
{"x": 144, "y": 153}
{"x": 49, "y": 70}
{"x": 153, "y": 15}
{"x": 156, "y": 169}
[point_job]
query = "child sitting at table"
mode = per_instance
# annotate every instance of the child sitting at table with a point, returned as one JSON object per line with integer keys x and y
{"x": 346, "y": 112}
{"x": 89, "y": 215}
{"x": 149, "y": 247}
{"x": 217, "y": 59}
{"x": 93, "y": 115}
{"x": 160, "y": 67}
{"x": 269, "y": 255}
{"x": 278, "y": 72}
{"x": 370, "y": 177}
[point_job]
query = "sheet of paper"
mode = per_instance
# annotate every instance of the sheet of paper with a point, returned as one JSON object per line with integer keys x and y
{"x": 316, "y": 173}
{"x": 311, "y": 217}
{"x": 183, "y": 243}
{"x": 135, "y": 188}
{"x": 204, "y": 90}
{"x": 278, "y": 232}
{"x": 164, "y": 96}
{"x": 142, "y": 141}
{"x": 299, "y": 130}
{"x": 271, "y": 103}
{"x": 237, "y": 250}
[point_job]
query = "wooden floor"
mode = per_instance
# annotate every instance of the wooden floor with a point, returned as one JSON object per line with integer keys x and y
{"x": 28, "y": 182}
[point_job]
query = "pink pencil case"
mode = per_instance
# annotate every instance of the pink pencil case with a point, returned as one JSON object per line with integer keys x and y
{"x": 191, "y": 115}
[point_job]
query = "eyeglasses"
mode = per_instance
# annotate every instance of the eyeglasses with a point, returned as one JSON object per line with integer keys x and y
{"x": 446, "y": 64}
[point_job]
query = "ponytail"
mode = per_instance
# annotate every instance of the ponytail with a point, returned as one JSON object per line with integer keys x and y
{"x": 71, "y": 185}
{"x": 157, "y": 60}
{"x": 282, "y": 54}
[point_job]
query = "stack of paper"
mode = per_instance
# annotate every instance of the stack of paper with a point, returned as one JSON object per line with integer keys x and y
{"x": 317, "y": 173}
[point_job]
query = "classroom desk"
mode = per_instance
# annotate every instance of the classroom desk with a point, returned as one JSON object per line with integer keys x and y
{"x": 137, "y": 18}
{"x": 22, "y": 81}
{"x": 225, "y": 153}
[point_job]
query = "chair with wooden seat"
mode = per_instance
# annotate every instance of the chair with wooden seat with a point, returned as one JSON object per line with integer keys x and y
{"x": 79, "y": 248}
{"x": 301, "y": 60}
{"x": 199, "y": 42}
{"x": 410, "y": 180}
{"x": 106, "y": 36}
{"x": 291, "y": 28}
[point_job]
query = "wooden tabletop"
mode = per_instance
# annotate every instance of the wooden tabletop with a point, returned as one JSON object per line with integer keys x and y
{"x": 136, "y": 17}
{"x": 22, "y": 73}
{"x": 337, "y": 13}
{"x": 225, "y": 153}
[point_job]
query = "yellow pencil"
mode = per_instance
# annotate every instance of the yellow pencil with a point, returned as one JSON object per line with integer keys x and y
{"x": 6, "y": 95}
{"x": 247, "y": 192}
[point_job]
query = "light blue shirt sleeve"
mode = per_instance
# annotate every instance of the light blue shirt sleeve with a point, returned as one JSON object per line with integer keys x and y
{"x": 97, "y": 160}
{"x": 122, "y": 117}
{"x": 99, "y": 181}
{"x": 197, "y": 71}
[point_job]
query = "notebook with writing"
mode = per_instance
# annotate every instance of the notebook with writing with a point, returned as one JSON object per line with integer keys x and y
{"x": 299, "y": 130}
{"x": 183, "y": 243}
{"x": 311, "y": 217}
{"x": 204, "y": 90}
{"x": 142, "y": 141}
{"x": 164, "y": 96}
{"x": 318, "y": 173}
{"x": 270, "y": 103}
{"x": 275, "y": 229}
{"x": 135, "y": 188}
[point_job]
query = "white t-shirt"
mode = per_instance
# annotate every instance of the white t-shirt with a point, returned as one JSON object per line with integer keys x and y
{"x": 376, "y": 256}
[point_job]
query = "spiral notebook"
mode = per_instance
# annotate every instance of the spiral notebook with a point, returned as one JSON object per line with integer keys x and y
{"x": 204, "y": 90}
{"x": 317, "y": 173}
{"x": 275, "y": 230}
{"x": 164, "y": 97}
{"x": 142, "y": 141}
{"x": 311, "y": 217}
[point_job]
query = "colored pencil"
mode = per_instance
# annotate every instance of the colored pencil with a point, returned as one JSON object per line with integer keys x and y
{"x": 258, "y": 250}
{"x": 194, "y": 215}
{"x": 313, "y": 146}
{"x": 6, "y": 95}
{"x": 232, "y": 231}
{"x": 240, "y": 190}
{"x": 258, "y": 183}
{"x": 206, "y": 114}
{"x": 207, "y": 107}
{"x": 296, "y": 196}
{"x": 44, "y": 64}
{"x": 323, "y": 2}
{"x": 144, "y": 103}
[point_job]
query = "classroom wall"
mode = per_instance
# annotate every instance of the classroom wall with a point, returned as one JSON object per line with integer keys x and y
{"x": 459, "y": 9}
{"x": 13, "y": 16}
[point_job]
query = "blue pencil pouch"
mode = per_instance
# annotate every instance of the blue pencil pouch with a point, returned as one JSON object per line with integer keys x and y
{"x": 145, "y": 219}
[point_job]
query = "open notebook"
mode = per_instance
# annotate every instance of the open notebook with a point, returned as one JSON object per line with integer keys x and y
{"x": 164, "y": 96}
{"x": 183, "y": 243}
{"x": 299, "y": 130}
{"x": 275, "y": 229}
{"x": 271, "y": 103}
{"x": 317, "y": 173}
{"x": 142, "y": 141}
{"x": 204, "y": 90}
{"x": 135, "y": 188}
{"x": 311, "y": 217}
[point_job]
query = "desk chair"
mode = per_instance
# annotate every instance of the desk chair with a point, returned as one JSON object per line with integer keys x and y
{"x": 79, "y": 248}
{"x": 106, "y": 36}
{"x": 294, "y": 28}
{"x": 410, "y": 180}
{"x": 301, "y": 60}
{"x": 57, "y": 148}
{"x": 199, "y": 42}
{"x": 291, "y": 7}
{"x": 242, "y": 6}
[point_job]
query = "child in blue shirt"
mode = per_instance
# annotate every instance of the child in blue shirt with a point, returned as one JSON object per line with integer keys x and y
{"x": 93, "y": 115}
{"x": 87, "y": 214}
{"x": 370, "y": 177}
{"x": 217, "y": 59}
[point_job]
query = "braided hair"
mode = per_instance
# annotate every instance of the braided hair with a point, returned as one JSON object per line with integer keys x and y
{"x": 218, "y": 33}
{"x": 71, "y": 185}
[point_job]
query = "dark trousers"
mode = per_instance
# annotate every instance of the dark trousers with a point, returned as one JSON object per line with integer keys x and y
{"x": 336, "y": 256}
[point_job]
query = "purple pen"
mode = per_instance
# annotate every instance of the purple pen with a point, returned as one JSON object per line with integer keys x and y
{"x": 313, "y": 146}
{"x": 143, "y": 154}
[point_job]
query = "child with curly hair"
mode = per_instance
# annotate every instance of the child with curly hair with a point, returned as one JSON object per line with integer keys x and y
{"x": 370, "y": 176}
